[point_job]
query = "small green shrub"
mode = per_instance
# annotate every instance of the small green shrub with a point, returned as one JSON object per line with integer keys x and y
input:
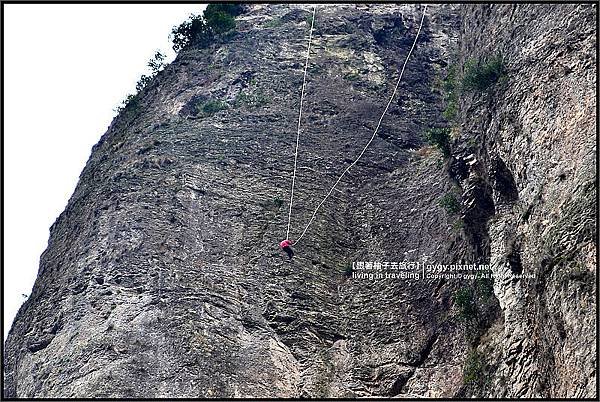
{"x": 257, "y": 98}
{"x": 450, "y": 111}
{"x": 156, "y": 63}
{"x": 451, "y": 92}
{"x": 130, "y": 103}
{"x": 440, "y": 137}
{"x": 211, "y": 107}
{"x": 242, "y": 99}
{"x": 473, "y": 372}
{"x": 142, "y": 82}
{"x": 478, "y": 76}
{"x": 465, "y": 301}
{"x": 218, "y": 18}
{"x": 481, "y": 76}
{"x": 450, "y": 203}
{"x": 278, "y": 202}
{"x": 485, "y": 287}
{"x": 458, "y": 225}
{"x": 260, "y": 99}
{"x": 449, "y": 84}
{"x": 233, "y": 9}
{"x": 348, "y": 270}
{"x": 192, "y": 30}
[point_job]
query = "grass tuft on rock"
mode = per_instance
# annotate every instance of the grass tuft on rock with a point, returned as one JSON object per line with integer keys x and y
{"x": 479, "y": 76}
{"x": 440, "y": 137}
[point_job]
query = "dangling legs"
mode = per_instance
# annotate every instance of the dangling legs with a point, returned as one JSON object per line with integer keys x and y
{"x": 289, "y": 251}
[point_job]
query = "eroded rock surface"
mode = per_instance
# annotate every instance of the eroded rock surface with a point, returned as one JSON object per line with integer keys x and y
{"x": 163, "y": 276}
{"x": 535, "y": 153}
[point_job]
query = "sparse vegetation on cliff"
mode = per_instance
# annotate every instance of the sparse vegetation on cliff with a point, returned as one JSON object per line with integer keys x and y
{"x": 278, "y": 202}
{"x": 348, "y": 270}
{"x": 451, "y": 91}
{"x": 210, "y": 107}
{"x": 465, "y": 302}
{"x": 450, "y": 203}
{"x": 156, "y": 64}
{"x": 256, "y": 98}
{"x": 479, "y": 76}
{"x": 440, "y": 137}
{"x": 476, "y": 306}
{"x": 200, "y": 30}
{"x": 473, "y": 372}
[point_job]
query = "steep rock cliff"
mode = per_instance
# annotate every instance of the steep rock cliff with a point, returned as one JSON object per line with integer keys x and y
{"x": 163, "y": 278}
{"x": 530, "y": 147}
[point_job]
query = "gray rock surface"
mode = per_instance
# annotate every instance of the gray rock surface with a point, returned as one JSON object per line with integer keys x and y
{"x": 163, "y": 277}
{"x": 536, "y": 154}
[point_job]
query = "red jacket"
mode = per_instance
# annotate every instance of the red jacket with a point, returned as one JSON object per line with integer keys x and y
{"x": 285, "y": 243}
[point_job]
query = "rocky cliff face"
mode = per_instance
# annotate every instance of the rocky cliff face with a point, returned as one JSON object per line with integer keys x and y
{"x": 163, "y": 277}
{"x": 534, "y": 155}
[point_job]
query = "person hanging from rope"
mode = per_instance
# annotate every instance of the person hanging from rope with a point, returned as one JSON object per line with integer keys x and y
{"x": 286, "y": 246}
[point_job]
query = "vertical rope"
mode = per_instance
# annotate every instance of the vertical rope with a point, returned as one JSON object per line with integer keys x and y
{"x": 312, "y": 24}
{"x": 374, "y": 133}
